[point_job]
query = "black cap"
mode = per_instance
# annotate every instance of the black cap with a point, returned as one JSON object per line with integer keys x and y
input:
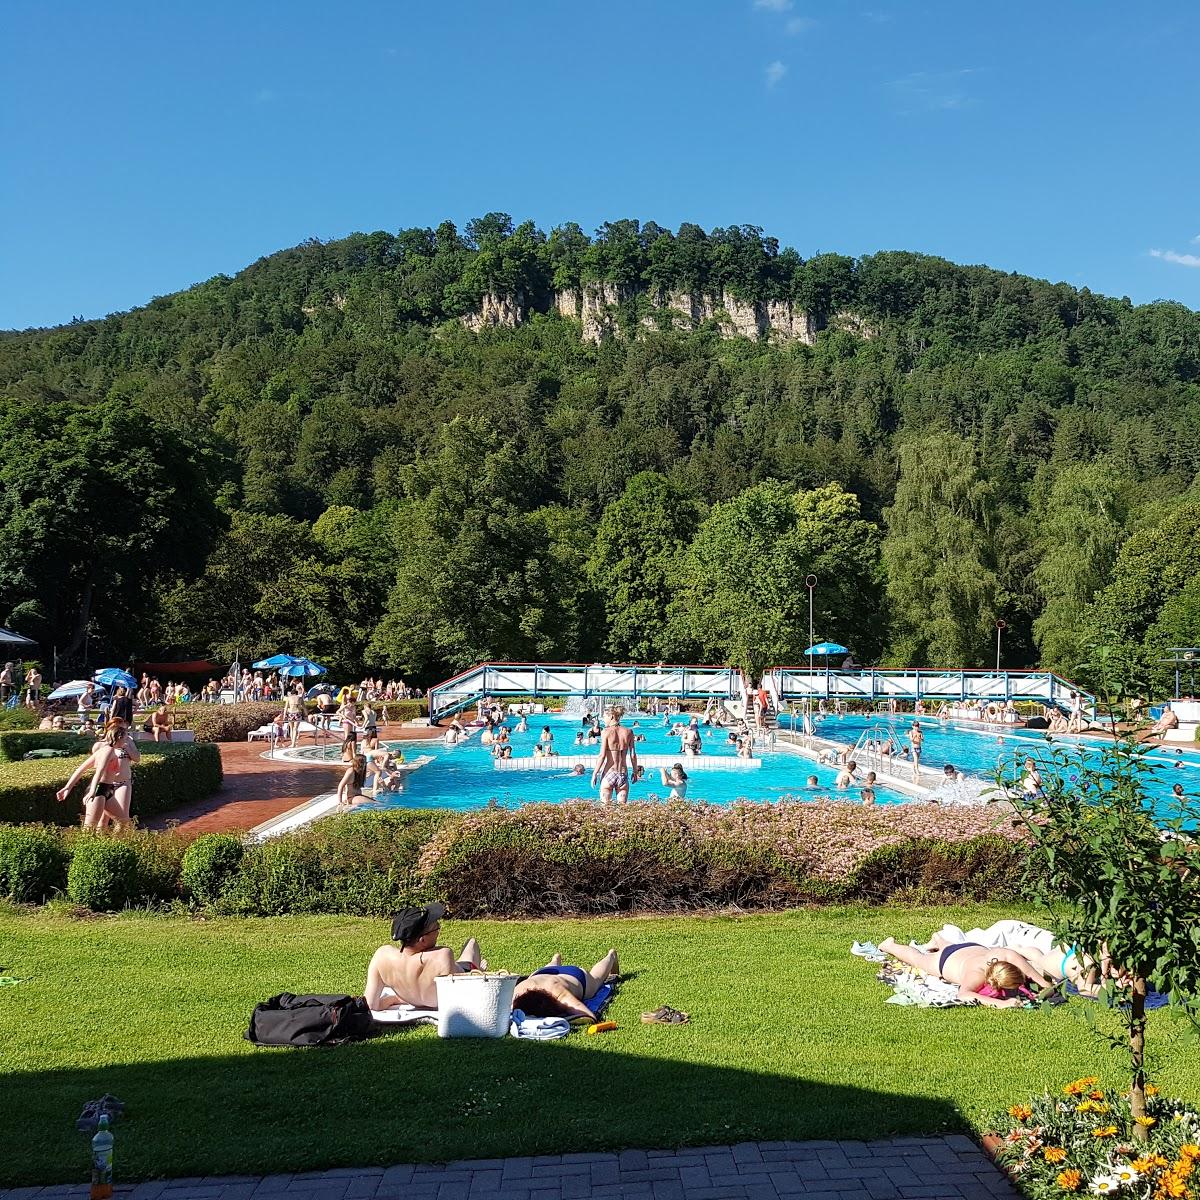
{"x": 410, "y": 923}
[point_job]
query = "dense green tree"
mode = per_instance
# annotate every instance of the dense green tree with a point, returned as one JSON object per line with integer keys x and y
{"x": 635, "y": 564}
{"x": 742, "y": 597}
{"x": 1080, "y": 530}
{"x": 97, "y": 505}
{"x": 938, "y": 553}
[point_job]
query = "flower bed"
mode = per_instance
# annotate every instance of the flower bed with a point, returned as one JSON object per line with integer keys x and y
{"x": 1082, "y": 1141}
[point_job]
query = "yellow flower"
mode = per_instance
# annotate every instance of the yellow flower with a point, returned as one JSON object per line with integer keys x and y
{"x": 1020, "y": 1112}
{"x": 1151, "y": 1090}
{"x": 1142, "y": 1165}
{"x": 1054, "y": 1154}
{"x": 1189, "y": 1150}
{"x": 1146, "y": 1121}
{"x": 1070, "y": 1180}
{"x": 1171, "y": 1187}
{"x": 1157, "y": 1161}
{"x": 1104, "y": 1131}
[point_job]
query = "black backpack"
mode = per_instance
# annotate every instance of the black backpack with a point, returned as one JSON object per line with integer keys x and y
{"x": 287, "y": 1020}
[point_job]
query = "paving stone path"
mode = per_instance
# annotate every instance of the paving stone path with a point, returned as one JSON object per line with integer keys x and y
{"x": 941, "y": 1168}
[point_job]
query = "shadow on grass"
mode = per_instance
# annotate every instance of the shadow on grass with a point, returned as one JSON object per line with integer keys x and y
{"x": 406, "y": 1096}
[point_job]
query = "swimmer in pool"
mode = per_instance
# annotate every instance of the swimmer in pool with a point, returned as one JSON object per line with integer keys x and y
{"x": 676, "y": 780}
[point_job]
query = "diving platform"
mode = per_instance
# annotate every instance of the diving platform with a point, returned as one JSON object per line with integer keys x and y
{"x": 911, "y": 683}
{"x": 603, "y": 681}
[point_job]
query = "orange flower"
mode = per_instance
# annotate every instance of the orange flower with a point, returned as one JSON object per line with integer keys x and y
{"x": 1171, "y": 1187}
{"x": 1189, "y": 1150}
{"x": 1151, "y": 1090}
{"x": 1097, "y": 1095}
{"x": 1104, "y": 1131}
{"x": 1157, "y": 1161}
{"x": 1020, "y": 1112}
{"x": 1070, "y": 1180}
{"x": 1054, "y": 1154}
{"x": 1142, "y": 1166}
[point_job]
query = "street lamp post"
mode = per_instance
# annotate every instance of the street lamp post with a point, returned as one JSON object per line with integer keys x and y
{"x": 1001, "y": 626}
{"x": 810, "y": 582}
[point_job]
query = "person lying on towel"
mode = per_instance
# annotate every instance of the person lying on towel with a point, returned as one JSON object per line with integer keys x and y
{"x": 411, "y": 968}
{"x": 558, "y": 990}
{"x": 998, "y": 978}
{"x": 1053, "y": 959}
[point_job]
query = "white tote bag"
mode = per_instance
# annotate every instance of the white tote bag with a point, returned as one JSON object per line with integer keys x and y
{"x": 475, "y": 1005}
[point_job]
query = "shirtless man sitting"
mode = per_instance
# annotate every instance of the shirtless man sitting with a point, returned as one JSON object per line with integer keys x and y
{"x": 618, "y": 754}
{"x": 411, "y": 968}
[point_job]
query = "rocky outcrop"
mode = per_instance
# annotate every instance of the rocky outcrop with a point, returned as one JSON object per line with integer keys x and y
{"x": 851, "y": 322}
{"x": 496, "y": 311}
{"x": 594, "y": 305}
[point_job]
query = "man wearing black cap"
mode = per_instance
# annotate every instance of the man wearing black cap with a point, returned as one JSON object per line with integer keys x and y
{"x": 410, "y": 969}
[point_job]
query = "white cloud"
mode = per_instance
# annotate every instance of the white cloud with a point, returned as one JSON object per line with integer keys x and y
{"x": 929, "y": 91}
{"x": 1172, "y": 256}
{"x": 775, "y": 72}
{"x": 773, "y": 5}
{"x": 1196, "y": 240}
{"x": 800, "y": 25}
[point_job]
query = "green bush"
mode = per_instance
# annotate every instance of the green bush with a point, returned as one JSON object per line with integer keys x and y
{"x": 15, "y": 744}
{"x": 170, "y": 774}
{"x": 103, "y": 875}
{"x": 930, "y": 869}
{"x": 230, "y": 722}
{"x": 19, "y": 718}
{"x": 209, "y": 866}
{"x": 279, "y": 876}
{"x": 33, "y": 863}
{"x": 396, "y": 711}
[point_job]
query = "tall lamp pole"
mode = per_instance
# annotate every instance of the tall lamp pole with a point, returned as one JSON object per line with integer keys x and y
{"x": 810, "y": 582}
{"x": 1001, "y": 626}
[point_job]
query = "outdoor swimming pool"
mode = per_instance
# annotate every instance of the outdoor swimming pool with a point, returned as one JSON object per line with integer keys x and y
{"x": 980, "y": 751}
{"x": 463, "y": 776}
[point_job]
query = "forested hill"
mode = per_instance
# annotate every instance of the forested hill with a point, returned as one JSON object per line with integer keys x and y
{"x": 413, "y": 451}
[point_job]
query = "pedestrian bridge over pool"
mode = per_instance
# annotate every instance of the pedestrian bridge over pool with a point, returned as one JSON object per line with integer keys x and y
{"x": 628, "y": 681}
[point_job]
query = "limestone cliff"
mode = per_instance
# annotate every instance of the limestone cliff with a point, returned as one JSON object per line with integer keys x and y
{"x": 496, "y": 311}
{"x": 594, "y": 305}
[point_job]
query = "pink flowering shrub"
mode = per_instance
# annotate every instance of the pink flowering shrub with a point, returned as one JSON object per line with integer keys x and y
{"x": 587, "y": 858}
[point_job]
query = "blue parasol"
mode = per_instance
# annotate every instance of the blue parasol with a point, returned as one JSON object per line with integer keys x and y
{"x": 276, "y": 660}
{"x": 115, "y": 677}
{"x": 77, "y": 687}
{"x": 827, "y": 648}
{"x": 302, "y": 666}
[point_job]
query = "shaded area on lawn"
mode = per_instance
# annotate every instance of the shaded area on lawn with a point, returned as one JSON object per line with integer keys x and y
{"x": 293, "y": 1110}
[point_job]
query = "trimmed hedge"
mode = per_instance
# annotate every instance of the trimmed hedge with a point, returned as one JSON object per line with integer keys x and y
{"x": 15, "y": 744}
{"x": 558, "y": 859}
{"x": 232, "y": 722}
{"x": 169, "y": 775}
{"x": 33, "y": 863}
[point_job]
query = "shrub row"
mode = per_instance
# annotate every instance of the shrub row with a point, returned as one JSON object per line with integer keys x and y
{"x": 538, "y": 860}
{"x": 170, "y": 774}
{"x": 231, "y": 722}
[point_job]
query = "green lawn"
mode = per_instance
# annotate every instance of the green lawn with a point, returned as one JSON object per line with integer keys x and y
{"x": 790, "y": 1039}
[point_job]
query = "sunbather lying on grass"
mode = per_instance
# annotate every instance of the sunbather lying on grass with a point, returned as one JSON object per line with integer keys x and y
{"x": 986, "y": 974}
{"x": 556, "y": 990}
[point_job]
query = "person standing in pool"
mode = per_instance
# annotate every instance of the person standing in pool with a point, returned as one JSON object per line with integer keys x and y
{"x": 916, "y": 739}
{"x": 618, "y": 754}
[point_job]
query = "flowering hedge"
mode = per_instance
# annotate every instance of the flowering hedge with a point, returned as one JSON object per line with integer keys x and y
{"x": 585, "y": 858}
{"x": 1082, "y": 1140}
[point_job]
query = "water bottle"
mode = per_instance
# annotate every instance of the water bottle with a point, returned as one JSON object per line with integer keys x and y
{"x": 102, "y": 1154}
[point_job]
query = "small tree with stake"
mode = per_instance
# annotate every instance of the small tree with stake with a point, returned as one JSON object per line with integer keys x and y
{"x": 1123, "y": 885}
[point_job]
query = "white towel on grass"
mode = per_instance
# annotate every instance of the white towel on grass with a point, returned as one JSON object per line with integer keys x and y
{"x": 538, "y": 1029}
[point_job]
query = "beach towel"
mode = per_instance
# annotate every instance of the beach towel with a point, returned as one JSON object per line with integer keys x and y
{"x": 538, "y": 1029}
{"x": 410, "y": 1014}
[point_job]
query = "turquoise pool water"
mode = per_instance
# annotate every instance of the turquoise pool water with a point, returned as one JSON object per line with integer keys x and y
{"x": 463, "y": 777}
{"x": 979, "y": 752}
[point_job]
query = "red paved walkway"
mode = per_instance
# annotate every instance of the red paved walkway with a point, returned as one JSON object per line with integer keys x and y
{"x": 257, "y": 788}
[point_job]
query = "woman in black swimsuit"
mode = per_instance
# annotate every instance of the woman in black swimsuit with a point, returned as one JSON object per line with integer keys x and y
{"x": 110, "y": 797}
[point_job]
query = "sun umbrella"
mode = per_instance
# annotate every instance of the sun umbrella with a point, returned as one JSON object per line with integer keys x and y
{"x": 115, "y": 677}
{"x": 76, "y": 687}
{"x": 276, "y": 660}
{"x": 302, "y": 666}
{"x": 827, "y": 648}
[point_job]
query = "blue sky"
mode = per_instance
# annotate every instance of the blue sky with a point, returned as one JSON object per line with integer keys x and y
{"x": 151, "y": 145}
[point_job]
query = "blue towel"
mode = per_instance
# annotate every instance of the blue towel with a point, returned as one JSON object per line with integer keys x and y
{"x": 599, "y": 1002}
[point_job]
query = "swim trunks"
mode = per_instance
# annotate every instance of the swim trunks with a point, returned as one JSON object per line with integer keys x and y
{"x": 576, "y": 973}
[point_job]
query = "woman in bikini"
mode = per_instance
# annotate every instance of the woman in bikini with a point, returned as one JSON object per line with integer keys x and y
{"x": 350, "y": 787}
{"x": 110, "y": 796}
{"x": 990, "y": 976}
{"x": 556, "y": 990}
